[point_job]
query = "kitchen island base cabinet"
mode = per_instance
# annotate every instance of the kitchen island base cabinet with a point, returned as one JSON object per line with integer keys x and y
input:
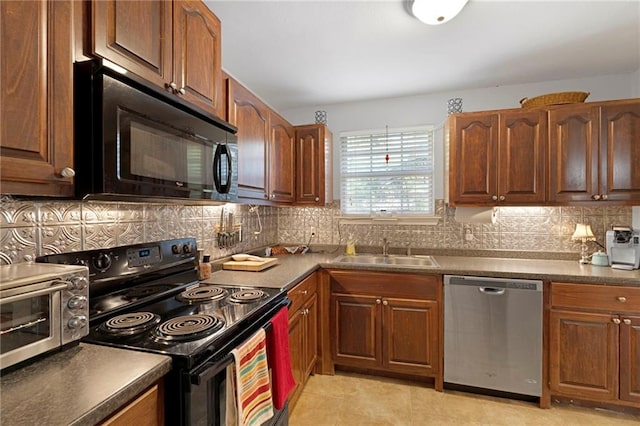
{"x": 595, "y": 343}
{"x": 145, "y": 410}
{"x": 387, "y": 322}
{"x": 303, "y": 326}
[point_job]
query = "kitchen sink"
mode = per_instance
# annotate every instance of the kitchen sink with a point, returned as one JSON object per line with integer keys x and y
{"x": 392, "y": 260}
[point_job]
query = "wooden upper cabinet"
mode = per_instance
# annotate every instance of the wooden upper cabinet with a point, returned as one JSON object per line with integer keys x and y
{"x": 522, "y": 142}
{"x": 197, "y": 55}
{"x": 594, "y": 152}
{"x": 281, "y": 168}
{"x": 251, "y": 116}
{"x": 175, "y": 45}
{"x": 36, "y": 105}
{"x": 498, "y": 158}
{"x": 573, "y": 153}
{"x": 620, "y": 151}
{"x": 137, "y": 35}
{"x": 473, "y": 172}
{"x": 313, "y": 165}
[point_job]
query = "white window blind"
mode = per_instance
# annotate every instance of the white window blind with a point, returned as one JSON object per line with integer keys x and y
{"x": 403, "y": 186}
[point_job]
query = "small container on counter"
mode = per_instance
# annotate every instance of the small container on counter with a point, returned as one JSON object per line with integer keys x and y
{"x": 204, "y": 267}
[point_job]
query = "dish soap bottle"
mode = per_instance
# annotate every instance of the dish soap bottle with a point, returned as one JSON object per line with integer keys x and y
{"x": 351, "y": 247}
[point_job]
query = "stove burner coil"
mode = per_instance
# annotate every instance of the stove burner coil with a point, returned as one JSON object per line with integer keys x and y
{"x": 128, "y": 324}
{"x": 202, "y": 294}
{"x": 189, "y": 327}
{"x": 247, "y": 296}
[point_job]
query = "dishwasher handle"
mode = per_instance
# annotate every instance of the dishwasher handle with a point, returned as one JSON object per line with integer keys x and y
{"x": 491, "y": 291}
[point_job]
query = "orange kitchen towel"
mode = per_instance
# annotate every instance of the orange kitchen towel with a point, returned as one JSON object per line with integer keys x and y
{"x": 253, "y": 388}
{"x": 280, "y": 358}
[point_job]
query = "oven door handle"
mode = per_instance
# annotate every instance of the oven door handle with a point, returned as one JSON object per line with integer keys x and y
{"x": 36, "y": 293}
{"x": 211, "y": 370}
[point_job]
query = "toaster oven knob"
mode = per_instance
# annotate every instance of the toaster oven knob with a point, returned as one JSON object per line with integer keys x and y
{"x": 186, "y": 248}
{"x": 77, "y": 322}
{"x": 102, "y": 261}
{"x": 78, "y": 283}
{"x": 77, "y": 302}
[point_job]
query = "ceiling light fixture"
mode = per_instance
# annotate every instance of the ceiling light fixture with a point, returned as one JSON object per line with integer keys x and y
{"x": 436, "y": 12}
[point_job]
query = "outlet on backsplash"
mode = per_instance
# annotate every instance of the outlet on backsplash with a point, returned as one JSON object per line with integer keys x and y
{"x": 468, "y": 232}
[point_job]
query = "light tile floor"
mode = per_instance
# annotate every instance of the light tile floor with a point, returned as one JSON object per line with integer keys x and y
{"x": 348, "y": 399}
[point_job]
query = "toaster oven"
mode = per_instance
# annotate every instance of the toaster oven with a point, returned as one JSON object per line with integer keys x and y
{"x": 42, "y": 308}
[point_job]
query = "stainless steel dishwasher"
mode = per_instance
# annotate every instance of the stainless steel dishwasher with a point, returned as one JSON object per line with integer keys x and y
{"x": 493, "y": 333}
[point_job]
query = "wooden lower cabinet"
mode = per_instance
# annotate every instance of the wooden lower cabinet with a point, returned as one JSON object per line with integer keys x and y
{"x": 145, "y": 410}
{"x": 387, "y": 322}
{"x": 594, "y": 343}
{"x": 303, "y": 333}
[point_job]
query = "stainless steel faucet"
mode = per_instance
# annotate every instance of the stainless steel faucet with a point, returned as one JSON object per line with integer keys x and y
{"x": 408, "y": 244}
{"x": 385, "y": 247}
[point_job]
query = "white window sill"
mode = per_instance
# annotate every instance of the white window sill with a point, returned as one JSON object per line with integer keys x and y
{"x": 368, "y": 220}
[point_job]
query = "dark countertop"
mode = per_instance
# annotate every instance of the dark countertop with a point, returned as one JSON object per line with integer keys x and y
{"x": 81, "y": 385}
{"x": 292, "y": 269}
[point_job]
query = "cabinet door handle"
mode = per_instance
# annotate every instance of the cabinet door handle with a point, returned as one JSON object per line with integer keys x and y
{"x": 502, "y": 198}
{"x": 182, "y": 91}
{"x": 494, "y": 197}
{"x": 616, "y": 320}
{"x": 596, "y": 197}
{"x": 67, "y": 172}
{"x": 378, "y": 301}
{"x": 604, "y": 196}
{"x": 385, "y": 303}
{"x": 622, "y": 299}
{"x": 303, "y": 292}
{"x": 627, "y": 321}
{"x": 317, "y": 199}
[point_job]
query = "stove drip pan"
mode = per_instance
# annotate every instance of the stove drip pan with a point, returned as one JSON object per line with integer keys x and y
{"x": 203, "y": 294}
{"x": 129, "y": 324}
{"x": 188, "y": 327}
{"x": 247, "y": 296}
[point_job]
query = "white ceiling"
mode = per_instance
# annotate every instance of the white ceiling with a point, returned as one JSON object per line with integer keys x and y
{"x": 310, "y": 53}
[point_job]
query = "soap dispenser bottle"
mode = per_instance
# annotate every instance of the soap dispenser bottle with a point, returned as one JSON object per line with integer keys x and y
{"x": 351, "y": 247}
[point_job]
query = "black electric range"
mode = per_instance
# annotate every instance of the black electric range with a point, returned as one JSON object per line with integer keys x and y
{"x": 147, "y": 297}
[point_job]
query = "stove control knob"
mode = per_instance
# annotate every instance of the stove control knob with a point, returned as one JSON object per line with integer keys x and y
{"x": 79, "y": 321}
{"x": 77, "y": 302}
{"x": 78, "y": 283}
{"x": 102, "y": 262}
{"x": 186, "y": 248}
{"x": 175, "y": 249}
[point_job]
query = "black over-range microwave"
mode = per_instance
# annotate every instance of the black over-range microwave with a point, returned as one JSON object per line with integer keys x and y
{"x": 135, "y": 142}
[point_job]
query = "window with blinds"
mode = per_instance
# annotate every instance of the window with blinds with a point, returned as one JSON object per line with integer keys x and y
{"x": 400, "y": 185}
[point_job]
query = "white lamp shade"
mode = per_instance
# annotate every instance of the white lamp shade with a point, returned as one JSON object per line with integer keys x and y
{"x": 436, "y": 12}
{"x": 583, "y": 232}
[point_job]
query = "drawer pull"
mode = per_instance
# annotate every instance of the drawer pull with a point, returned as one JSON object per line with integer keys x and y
{"x": 616, "y": 320}
{"x": 303, "y": 291}
{"x": 622, "y": 299}
{"x": 627, "y": 321}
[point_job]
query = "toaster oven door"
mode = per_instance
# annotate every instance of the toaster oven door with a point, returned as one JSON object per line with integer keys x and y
{"x": 29, "y": 324}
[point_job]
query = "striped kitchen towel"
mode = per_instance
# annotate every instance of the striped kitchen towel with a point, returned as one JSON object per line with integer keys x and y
{"x": 253, "y": 388}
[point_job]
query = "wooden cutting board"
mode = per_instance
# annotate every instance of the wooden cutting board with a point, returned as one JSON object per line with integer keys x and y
{"x": 250, "y": 265}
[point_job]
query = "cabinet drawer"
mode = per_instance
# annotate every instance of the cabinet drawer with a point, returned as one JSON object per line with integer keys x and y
{"x": 599, "y": 297}
{"x": 386, "y": 284}
{"x": 302, "y": 292}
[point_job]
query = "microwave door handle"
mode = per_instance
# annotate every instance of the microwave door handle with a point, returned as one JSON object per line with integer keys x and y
{"x": 227, "y": 186}
{"x": 217, "y": 171}
{"x": 31, "y": 294}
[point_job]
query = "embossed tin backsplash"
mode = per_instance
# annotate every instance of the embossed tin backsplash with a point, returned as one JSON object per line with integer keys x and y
{"x": 32, "y": 228}
{"x": 29, "y": 229}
